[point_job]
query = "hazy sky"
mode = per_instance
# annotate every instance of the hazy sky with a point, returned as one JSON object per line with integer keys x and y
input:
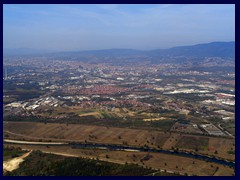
{"x": 86, "y": 27}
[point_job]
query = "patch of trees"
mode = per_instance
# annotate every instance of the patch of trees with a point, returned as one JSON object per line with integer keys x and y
{"x": 12, "y": 152}
{"x": 41, "y": 164}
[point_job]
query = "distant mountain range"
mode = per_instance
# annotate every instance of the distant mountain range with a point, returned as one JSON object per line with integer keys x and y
{"x": 214, "y": 49}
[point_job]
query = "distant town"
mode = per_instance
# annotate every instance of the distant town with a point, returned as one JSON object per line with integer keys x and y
{"x": 194, "y": 101}
{"x": 119, "y": 90}
{"x": 139, "y": 110}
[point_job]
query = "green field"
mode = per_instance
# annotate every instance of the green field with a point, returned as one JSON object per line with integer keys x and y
{"x": 20, "y": 94}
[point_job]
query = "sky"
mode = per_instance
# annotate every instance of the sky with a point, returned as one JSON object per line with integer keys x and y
{"x": 103, "y": 26}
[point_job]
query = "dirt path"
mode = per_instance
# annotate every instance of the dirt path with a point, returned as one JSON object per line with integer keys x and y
{"x": 31, "y": 142}
{"x": 13, "y": 164}
{"x": 30, "y": 137}
{"x": 73, "y": 155}
{"x": 24, "y": 136}
{"x": 61, "y": 154}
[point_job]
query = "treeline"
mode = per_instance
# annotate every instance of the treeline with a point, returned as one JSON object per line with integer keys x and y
{"x": 164, "y": 125}
{"x": 12, "y": 152}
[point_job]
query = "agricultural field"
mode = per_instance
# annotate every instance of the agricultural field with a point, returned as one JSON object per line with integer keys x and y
{"x": 196, "y": 143}
{"x": 82, "y": 133}
{"x": 113, "y": 114}
{"x": 217, "y": 146}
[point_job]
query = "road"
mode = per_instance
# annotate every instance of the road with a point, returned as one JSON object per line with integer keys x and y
{"x": 33, "y": 143}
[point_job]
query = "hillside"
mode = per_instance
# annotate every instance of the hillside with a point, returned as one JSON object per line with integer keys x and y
{"x": 171, "y": 55}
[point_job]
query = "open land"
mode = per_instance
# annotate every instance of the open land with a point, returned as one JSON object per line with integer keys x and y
{"x": 170, "y": 163}
{"x": 110, "y": 135}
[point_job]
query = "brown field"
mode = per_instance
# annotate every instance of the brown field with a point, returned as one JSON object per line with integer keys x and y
{"x": 188, "y": 142}
{"x": 172, "y": 140}
{"x": 112, "y": 135}
{"x": 80, "y": 133}
{"x": 222, "y": 146}
{"x": 159, "y": 161}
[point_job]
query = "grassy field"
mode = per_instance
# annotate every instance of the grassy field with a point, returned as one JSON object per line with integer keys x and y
{"x": 120, "y": 114}
{"x": 118, "y": 117}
